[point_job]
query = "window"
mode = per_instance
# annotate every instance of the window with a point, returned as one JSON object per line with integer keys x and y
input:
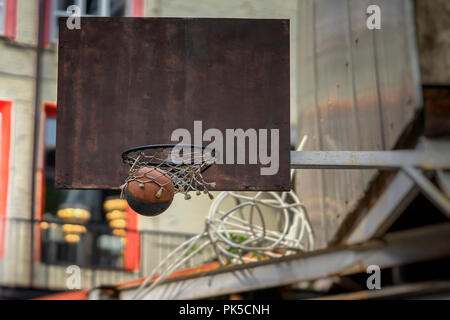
{"x": 2, "y": 16}
{"x": 105, "y": 238}
{"x": 91, "y": 8}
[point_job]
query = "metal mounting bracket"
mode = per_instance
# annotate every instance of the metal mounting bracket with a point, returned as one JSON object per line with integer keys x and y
{"x": 430, "y": 155}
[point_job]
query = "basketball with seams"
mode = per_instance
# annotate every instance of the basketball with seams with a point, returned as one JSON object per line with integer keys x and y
{"x": 151, "y": 191}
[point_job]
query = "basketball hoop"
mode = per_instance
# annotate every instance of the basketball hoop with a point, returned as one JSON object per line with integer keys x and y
{"x": 162, "y": 165}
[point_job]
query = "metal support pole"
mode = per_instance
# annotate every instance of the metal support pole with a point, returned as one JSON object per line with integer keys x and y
{"x": 382, "y": 160}
{"x": 409, "y": 161}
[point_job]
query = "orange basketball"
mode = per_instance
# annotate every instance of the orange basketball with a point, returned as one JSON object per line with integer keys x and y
{"x": 151, "y": 193}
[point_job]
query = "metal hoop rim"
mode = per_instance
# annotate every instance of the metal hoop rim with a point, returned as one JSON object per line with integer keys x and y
{"x": 126, "y": 158}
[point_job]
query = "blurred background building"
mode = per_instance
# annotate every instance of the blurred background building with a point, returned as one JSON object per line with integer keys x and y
{"x": 351, "y": 89}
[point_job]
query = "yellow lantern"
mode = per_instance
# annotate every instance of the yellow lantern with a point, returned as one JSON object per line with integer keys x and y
{"x": 72, "y": 238}
{"x": 119, "y": 232}
{"x": 73, "y": 214}
{"x": 118, "y": 224}
{"x": 116, "y": 214}
{"x": 115, "y": 204}
{"x": 74, "y": 228}
{"x": 44, "y": 225}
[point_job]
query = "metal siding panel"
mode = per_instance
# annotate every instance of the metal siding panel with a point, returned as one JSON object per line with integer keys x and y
{"x": 365, "y": 82}
{"x": 337, "y": 115}
{"x": 396, "y": 66}
{"x": 309, "y": 182}
{"x": 367, "y": 91}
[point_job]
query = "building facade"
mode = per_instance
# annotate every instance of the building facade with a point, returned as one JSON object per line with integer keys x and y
{"x": 351, "y": 89}
{"x": 37, "y": 243}
{"x": 42, "y": 229}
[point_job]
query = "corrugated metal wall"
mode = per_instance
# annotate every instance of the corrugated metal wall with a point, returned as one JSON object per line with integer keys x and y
{"x": 358, "y": 90}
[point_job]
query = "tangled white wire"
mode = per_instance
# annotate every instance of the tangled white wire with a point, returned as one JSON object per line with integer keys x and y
{"x": 238, "y": 238}
{"x": 240, "y": 234}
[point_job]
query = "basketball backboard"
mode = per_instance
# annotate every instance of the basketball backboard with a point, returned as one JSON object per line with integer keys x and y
{"x": 126, "y": 82}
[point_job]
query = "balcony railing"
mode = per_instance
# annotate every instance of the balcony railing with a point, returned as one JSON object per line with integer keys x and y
{"x": 38, "y": 253}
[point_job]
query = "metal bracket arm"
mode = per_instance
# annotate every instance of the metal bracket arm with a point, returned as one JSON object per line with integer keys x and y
{"x": 382, "y": 160}
{"x": 409, "y": 161}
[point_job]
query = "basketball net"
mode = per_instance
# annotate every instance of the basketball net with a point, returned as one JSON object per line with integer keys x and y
{"x": 186, "y": 173}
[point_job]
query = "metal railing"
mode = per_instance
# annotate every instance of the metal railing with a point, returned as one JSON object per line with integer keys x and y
{"x": 104, "y": 257}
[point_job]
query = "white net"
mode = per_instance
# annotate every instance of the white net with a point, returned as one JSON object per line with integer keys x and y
{"x": 183, "y": 165}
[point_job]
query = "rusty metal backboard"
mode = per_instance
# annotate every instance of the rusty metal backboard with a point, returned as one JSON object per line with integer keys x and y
{"x": 125, "y": 82}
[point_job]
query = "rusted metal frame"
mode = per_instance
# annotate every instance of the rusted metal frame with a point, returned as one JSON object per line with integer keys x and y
{"x": 400, "y": 192}
{"x": 399, "y": 248}
{"x": 443, "y": 179}
{"x": 409, "y": 161}
{"x": 382, "y": 160}
{"x": 438, "y": 198}
{"x": 427, "y": 289}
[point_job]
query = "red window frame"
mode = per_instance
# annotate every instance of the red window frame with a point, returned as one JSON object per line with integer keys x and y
{"x": 132, "y": 246}
{"x": 138, "y": 8}
{"x": 47, "y": 23}
{"x": 133, "y": 242}
{"x": 48, "y": 110}
{"x": 10, "y": 19}
{"x": 5, "y": 141}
